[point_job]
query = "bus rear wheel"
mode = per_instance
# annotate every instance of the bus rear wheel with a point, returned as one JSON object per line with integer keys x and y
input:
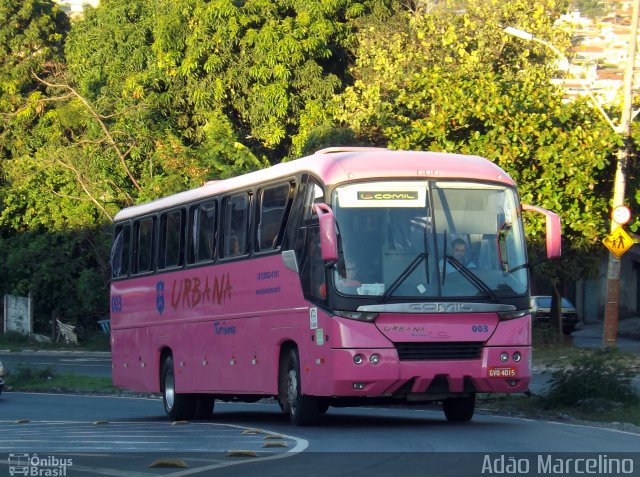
{"x": 177, "y": 406}
{"x": 302, "y": 409}
{"x": 459, "y": 409}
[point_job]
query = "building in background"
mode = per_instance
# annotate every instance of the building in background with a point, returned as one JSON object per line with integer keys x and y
{"x": 76, "y": 7}
{"x": 599, "y": 52}
{"x": 598, "y": 59}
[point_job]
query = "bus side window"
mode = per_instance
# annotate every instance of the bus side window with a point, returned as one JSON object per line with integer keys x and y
{"x": 272, "y": 216}
{"x": 202, "y": 240}
{"x": 119, "y": 259}
{"x": 171, "y": 239}
{"x": 312, "y": 270}
{"x": 143, "y": 242}
{"x": 236, "y": 225}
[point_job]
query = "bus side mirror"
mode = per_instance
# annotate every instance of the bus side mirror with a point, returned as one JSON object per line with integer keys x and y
{"x": 553, "y": 229}
{"x": 328, "y": 236}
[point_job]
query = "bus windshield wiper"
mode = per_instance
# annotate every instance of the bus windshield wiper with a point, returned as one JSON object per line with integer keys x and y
{"x": 404, "y": 275}
{"x": 472, "y": 277}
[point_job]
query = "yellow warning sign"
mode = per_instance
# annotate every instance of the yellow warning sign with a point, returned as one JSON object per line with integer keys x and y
{"x": 618, "y": 242}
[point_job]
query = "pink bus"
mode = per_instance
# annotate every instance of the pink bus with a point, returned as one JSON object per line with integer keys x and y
{"x": 352, "y": 276}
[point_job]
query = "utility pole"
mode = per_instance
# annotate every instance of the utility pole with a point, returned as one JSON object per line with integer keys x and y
{"x": 613, "y": 269}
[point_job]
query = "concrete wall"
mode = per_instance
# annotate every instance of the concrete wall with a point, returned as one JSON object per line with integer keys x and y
{"x": 591, "y": 294}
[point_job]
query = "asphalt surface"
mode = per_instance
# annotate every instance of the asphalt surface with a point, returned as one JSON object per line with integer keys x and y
{"x": 590, "y": 335}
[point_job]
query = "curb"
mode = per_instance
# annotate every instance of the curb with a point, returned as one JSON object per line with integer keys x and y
{"x": 98, "y": 354}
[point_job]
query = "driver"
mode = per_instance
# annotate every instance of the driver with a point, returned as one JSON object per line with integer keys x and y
{"x": 459, "y": 253}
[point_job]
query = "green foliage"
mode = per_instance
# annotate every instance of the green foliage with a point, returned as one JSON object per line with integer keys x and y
{"x": 329, "y": 136}
{"x": 265, "y": 64}
{"x": 599, "y": 375}
{"x": 452, "y": 80}
{"x": 32, "y": 34}
{"x": 66, "y": 274}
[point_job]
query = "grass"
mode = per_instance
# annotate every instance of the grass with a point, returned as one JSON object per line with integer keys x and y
{"x": 15, "y": 341}
{"x": 534, "y": 407}
{"x": 27, "y": 378}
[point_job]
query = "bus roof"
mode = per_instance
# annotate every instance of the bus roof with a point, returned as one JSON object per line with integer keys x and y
{"x": 340, "y": 164}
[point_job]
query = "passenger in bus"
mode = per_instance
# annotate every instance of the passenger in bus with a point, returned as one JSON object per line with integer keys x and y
{"x": 459, "y": 253}
{"x": 347, "y": 277}
{"x": 234, "y": 246}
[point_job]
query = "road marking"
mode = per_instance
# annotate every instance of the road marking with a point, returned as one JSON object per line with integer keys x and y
{"x": 201, "y": 445}
{"x": 78, "y": 436}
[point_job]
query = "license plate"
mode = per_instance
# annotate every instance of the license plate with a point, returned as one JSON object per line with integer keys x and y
{"x": 502, "y": 372}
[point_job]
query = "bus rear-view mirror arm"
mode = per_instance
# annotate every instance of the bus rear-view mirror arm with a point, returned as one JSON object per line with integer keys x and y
{"x": 553, "y": 229}
{"x": 328, "y": 236}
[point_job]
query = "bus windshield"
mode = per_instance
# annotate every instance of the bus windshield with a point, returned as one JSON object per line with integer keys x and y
{"x": 429, "y": 239}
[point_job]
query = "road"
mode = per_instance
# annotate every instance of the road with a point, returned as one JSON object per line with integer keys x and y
{"x": 118, "y": 436}
{"x": 64, "y": 362}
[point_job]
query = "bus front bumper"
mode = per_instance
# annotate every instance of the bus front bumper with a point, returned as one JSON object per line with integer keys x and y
{"x": 380, "y": 373}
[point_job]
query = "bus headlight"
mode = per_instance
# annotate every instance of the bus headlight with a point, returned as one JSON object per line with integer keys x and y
{"x": 504, "y": 357}
{"x": 357, "y": 315}
{"x": 375, "y": 358}
{"x": 512, "y": 315}
{"x": 358, "y": 359}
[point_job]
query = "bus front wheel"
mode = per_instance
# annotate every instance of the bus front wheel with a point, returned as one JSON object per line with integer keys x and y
{"x": 302, "y": 409}
{"x": 459, "y": 409}
{"x": 177, "y": 406}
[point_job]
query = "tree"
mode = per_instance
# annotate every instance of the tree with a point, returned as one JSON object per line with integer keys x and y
{"x": 65, "y": 273}
{"x": 32, "y": 35}
{"x": 263, "y": 64}
{"x": 451, "y": 80}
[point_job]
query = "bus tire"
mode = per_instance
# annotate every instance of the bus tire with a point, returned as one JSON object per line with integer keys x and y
{"x": 282, "y": 383}
{"x": 459, "y": 409}
{"x": 204, "y": 406}
{"x": 302, "y": 409}
{"x": 179, "y": 407}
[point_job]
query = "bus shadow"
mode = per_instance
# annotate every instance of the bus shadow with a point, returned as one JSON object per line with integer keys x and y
{"x": 369, "y": 417}
{"x": 269, "y": 415}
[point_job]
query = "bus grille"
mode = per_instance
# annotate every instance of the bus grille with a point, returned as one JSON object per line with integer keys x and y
{"x": 439, "y": 351}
